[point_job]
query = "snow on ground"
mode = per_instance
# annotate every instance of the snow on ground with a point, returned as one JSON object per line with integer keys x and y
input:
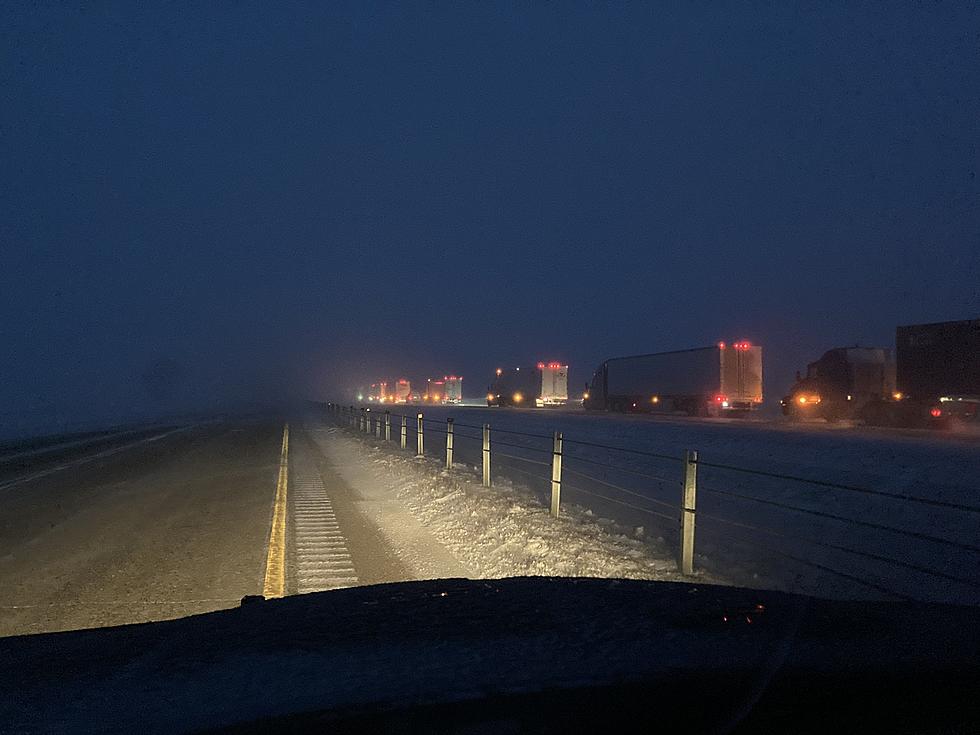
{"x": 890, "y": 537}
{"x": 501, "y": 531}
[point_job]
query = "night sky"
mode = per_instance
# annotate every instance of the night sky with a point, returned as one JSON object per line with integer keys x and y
{"x": 208, "y": 204}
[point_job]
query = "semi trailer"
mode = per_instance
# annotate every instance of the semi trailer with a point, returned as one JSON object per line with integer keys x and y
{"x": 933, "y": 380}
{"x": 545, "y": 384}
{"x": 449, "y": 390}
{"x": 454, "y": 389}
{"x": 724, "y": 379}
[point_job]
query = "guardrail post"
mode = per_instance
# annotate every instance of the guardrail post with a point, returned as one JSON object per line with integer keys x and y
{"x": 404, "y": 432}
{"x": 363, "y": 423}
{"x": 688, "y": 502}
{"x": 486, "y": 455}
{"x": 387, "y": 426}
{"x": 556, "y": 475}
{"x": 419, "y": 434}
{"x": 377, "y": 428}
{"x": 449, "y": 444}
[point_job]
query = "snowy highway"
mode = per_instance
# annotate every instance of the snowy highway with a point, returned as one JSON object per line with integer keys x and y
{"x": 169, "y": 521}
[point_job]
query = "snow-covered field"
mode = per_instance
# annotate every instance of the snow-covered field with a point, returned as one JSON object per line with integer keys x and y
{"x": 887, "y": 534}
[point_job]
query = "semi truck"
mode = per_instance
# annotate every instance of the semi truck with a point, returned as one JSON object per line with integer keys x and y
{"x": 723, "y": 379}
{"x": 842, "y": 383}
{"x": 454, "y": 389}
{"x": 542, "y": 385}
{"x": 933, "y": 381}
{"x": 435, "y": 391}
{"x": 398, "y": 391}
{"x": 448, "y": 390}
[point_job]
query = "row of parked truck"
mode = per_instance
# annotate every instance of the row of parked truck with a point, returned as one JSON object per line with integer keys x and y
{"x": 723, "y": 378}
{"x": 932, "y": 376}
{"x": 447, "y": 391}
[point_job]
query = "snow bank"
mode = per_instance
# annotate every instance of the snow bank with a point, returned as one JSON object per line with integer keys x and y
{"x": 501, "y": 531}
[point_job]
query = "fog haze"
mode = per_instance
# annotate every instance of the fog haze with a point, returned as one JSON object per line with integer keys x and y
{"x": 208, "y": 206}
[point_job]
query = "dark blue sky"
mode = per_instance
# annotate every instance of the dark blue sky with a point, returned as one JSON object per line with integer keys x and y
{"x": 271, "y": 200}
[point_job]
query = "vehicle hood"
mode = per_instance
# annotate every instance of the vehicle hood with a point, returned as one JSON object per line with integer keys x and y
{"x": 354, "y": 655}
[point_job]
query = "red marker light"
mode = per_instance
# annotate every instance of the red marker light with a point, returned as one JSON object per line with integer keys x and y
{"x": 540, "y": 366}
{"x": 721, "y": 345}
{"x": 936, "y": 413}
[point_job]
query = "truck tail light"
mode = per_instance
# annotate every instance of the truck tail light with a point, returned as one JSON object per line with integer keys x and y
{"x": 935, "y": 412}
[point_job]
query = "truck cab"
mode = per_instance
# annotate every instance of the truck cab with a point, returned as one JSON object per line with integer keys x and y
{"x": 842, "y": 383}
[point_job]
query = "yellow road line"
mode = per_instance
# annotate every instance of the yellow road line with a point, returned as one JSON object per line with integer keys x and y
{"x": 275, "y": 564}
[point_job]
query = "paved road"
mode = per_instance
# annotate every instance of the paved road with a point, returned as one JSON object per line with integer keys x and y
{"x": 167, "y": 521}
{"x": 172, "y": 521}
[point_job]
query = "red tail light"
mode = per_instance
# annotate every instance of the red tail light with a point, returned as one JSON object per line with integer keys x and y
{"x": 936, "y": 412}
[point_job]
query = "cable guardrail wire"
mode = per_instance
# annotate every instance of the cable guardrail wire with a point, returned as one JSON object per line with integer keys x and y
{"x": 620, "y": 502}
{"x": 717, "y": 523}
{"x": 640, "y": 452}
{"x": 498, "y": 443}
{"x": 521, "y": 433}
{"x": 647, "y": 498}
{"x": 829, "y": 570}
{"x": 844, "y": 519}
{"x": 845, "y": 487}
{"x": 836, "y": 547}
{"x": 468, "y": 426}
{"x": 523, "y": 459}
{"x": 620, "y": 468}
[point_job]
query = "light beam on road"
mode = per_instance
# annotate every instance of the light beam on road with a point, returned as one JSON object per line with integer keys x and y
{"x": 275, "y": 565}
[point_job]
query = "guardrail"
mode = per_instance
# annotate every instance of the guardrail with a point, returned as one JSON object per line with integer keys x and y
{"x": 554, "y": 464}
